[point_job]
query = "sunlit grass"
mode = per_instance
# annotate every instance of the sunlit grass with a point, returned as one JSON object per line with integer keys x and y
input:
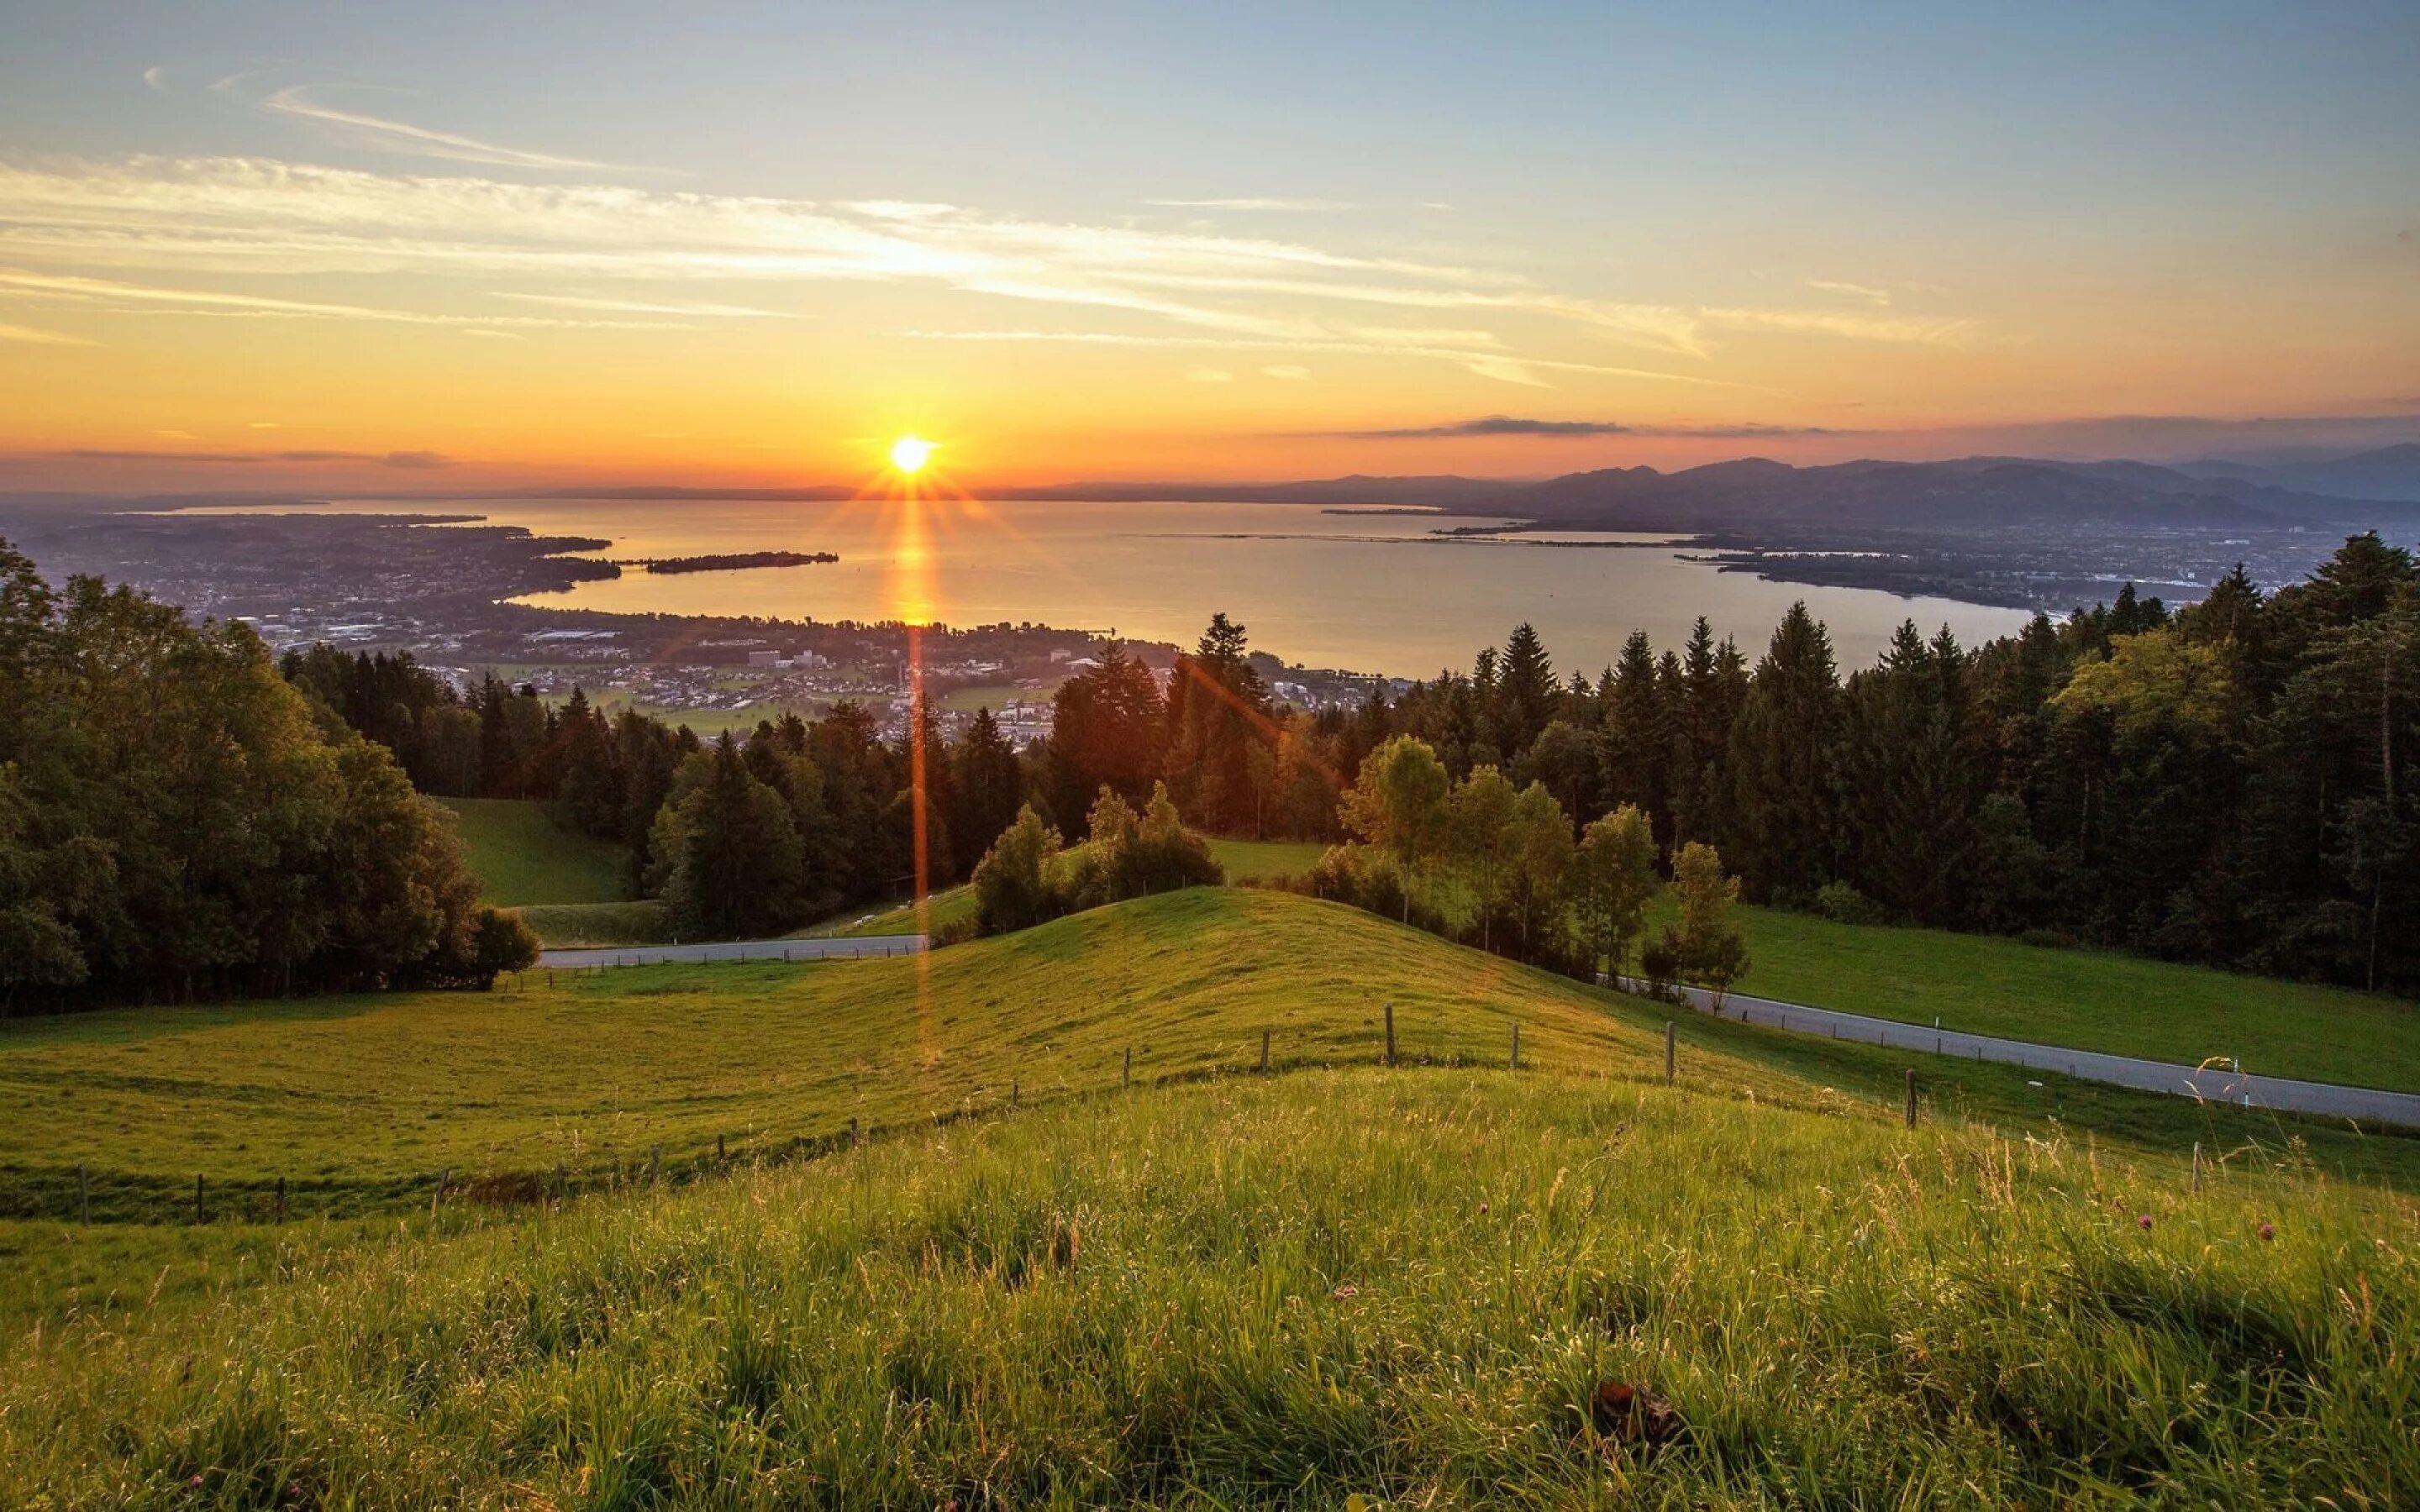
{"x": 1398, "y": 1286}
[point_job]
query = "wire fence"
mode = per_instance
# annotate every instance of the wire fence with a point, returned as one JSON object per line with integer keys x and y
{"x": 90, "y": 1194}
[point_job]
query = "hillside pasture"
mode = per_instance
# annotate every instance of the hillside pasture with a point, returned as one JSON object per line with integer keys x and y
{"x": 522, "y": 857}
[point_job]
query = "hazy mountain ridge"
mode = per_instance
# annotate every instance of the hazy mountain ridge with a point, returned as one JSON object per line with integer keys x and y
{"x": 1967, "y": 493}
{"x": 2389, "y": 472}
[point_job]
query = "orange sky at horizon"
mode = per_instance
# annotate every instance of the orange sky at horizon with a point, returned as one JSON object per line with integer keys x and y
{"x": 294, "y": 249}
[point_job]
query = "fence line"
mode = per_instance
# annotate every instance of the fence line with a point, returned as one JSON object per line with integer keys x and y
{"x": 70, "y": 1193}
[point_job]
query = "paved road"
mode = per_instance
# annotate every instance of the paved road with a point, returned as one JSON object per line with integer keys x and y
{"x": 647, "y": 955}
{"x": 2214, "y": 1085}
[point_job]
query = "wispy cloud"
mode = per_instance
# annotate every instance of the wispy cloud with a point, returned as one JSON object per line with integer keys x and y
{"x": 111, "y": 294}
{"x": 378, "y": 134}
{"x": 1855, "y": 291}
{"x": 600, "y": 252}
{"x": 1504, "y": 367}
{"x": 591, "y": 302}
{"x": 390, "y": 459}
{"x": 1249, "y": 202}
{"x": 1565, "y": 430}
{"x": 1908, "y": 330}
{"x": 32, "y": 336}
{"x": 1210, "y": 375}
{"x": 1291, "y": 372}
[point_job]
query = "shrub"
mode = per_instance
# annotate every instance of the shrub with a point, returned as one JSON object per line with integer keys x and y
{"x": 1845, "y": 904}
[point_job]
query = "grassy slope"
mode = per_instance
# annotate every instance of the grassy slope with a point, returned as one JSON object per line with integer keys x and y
{"x": 1244, "y": 860}
{"x": 2088, "y": 1000}
{"x": 1339, "y": 1285}
{"x": 641, "y": 921}
{"x": 361, "y": 1101}
{"x": 381, "y": 1088}
{"x": 522, "y": 858}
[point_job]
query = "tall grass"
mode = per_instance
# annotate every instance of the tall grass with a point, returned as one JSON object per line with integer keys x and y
{"x": 1395, "y": 1285}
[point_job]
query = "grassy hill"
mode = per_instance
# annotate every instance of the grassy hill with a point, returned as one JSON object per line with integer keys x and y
{"x": 522, "y": 857}
{"x": 1209, "y": 1289}
{"x": 1244, "y": 860}
{"x": 360, "y": 1102}
{"x": 1403, "y": 1288}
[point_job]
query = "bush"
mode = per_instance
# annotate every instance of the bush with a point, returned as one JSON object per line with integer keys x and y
{"x": 1012, "y": 882}
{"x": 1659, "y": 962}
{"x": 1026, "y": 878}
{"x": 1845, "y": 904}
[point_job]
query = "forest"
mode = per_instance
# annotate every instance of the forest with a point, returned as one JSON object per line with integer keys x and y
{"x": 178, "y": 822}
{"x": 2228, "y": 783}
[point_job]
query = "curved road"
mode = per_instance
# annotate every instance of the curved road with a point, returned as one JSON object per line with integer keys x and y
{"x": 2210, "y": 1085}
{"x": 822, "y": 949}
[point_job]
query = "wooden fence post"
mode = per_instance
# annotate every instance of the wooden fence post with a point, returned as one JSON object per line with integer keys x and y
{"x": 1264, "y": 1050}
{"x": 560, "y": 1184}
{"x": 201, "y": 1213}
{"x": 1911, "y": 1097}
{"x": 852, "y": 1134}
{"x": 281, "y": 1199}
{"x": 1012, "y": 1092}
{"x": 1390, "y": 1034}
{"x": 1668, "y": 1051}
{"x": 719, "y": 1156}
{"x": 654, "y": 1162}
{"x": 1125, "y": 1073}
{"x": 84, "y": 1195}
{"x": 1516, "y": 1045}
{"x": 2197, "y": 1168}
{"x": 438, "y": 1197}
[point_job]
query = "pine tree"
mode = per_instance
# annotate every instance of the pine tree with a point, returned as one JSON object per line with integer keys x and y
{"x": 1631, "y": 754}
{"x": 1525, "y": 694}
{"x": 1779, "y": 819}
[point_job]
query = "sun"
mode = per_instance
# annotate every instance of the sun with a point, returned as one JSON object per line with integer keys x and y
{"x": 910, "y": 453}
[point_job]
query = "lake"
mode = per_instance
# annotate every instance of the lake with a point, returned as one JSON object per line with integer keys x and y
{"x": 1366, "y": 591}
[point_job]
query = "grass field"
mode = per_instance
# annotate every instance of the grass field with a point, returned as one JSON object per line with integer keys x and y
{"x": 1257, "y": 860}
{"x": 568, "y": 926}
{"x": 2088, "y": 1000}
{"x": 357, "y": 1101}
{"x": 1211, "y": 1290}
{"x": 522, "y": 857}
{"x": 1244, "y": 860}
{"x": 1341, "y": 1288}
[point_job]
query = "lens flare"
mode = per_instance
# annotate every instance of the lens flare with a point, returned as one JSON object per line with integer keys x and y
{"x": 910, "y": 453}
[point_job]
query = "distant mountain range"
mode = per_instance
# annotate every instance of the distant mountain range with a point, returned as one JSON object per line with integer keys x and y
{"x": 1968, "y": 494}
{"x": 2381, "y": 489}
{"x": 2388, "y": 472}
{"x": 2378, "y": 488}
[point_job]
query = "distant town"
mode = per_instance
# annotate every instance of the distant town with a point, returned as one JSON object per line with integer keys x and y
{"x": 438, "y": 586}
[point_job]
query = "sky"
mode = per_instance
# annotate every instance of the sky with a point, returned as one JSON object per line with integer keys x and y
{"x": 353, "y": 248}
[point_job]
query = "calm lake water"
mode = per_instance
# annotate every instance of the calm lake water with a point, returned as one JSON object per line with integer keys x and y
{"x": 1370, "y": 591}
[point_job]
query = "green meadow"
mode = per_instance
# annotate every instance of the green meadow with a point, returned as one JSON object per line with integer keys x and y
{"x": 1022, "y": 1223}
{"x": 2087, "y": 1000}
{"x": 522, "y": 857}
{"x": 1350, "y": 1287}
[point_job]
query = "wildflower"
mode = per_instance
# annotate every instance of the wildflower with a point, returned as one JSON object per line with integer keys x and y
{"x": 2143, "y": 1222}
{"x": 1346, "y": 1292}
{"x": 2268, "y": 1230}
{"x": 1482, "y": 1210}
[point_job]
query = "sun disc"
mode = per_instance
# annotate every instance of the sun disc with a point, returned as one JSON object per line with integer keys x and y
{"x": 910, "y": 453}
